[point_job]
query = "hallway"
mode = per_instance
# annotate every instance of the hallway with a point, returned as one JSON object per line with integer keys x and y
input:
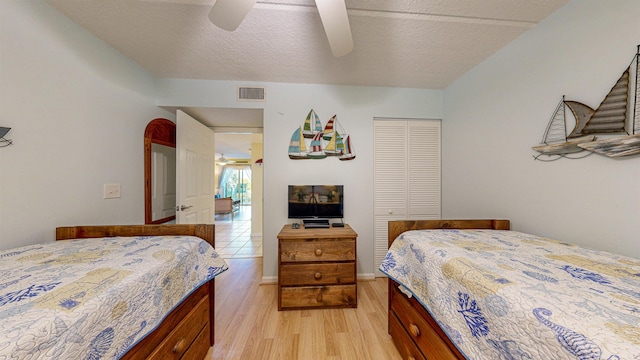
{"x": 233, "y": 235}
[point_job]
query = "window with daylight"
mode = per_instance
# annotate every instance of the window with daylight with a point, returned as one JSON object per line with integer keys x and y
{"x": 235, "y": 182}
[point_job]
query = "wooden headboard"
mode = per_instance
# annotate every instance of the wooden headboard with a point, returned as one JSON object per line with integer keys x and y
{"x": 204, "y": 231}
{"x": 397, "y": 227}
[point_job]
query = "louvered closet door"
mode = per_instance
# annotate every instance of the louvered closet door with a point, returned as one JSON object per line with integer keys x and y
{"x": 423, "y": 169}
{"x": 390, "y": 167}
{"x": 406, "y": 175}
{"x": 390, "y": 183}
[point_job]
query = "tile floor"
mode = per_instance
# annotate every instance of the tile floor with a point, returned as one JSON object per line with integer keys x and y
{"x": 233, "y": 236}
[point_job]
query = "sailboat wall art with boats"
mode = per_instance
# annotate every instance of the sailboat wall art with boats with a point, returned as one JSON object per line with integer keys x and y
{"x": 330, "y": 141}
{"x": 618, "y": 113}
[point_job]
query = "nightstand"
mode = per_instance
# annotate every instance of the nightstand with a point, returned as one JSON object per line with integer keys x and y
{"x": 317, "y": 268}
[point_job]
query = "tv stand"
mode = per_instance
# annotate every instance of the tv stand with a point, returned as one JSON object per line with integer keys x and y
{"x": 315, "y": 223}
{"x": 317, "y": 268}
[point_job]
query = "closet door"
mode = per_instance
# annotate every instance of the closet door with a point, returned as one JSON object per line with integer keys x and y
{"x": 423, "y": 173}
{"x": 406, "y": 175}
{"x": 390, "y": 183}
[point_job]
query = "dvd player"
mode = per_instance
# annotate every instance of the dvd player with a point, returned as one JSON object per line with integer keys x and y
{"x": 315, "y": 223}
{"x": 316, "y": 226}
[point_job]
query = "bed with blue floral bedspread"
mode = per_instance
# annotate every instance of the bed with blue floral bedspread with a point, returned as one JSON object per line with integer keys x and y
{"x": 508, "y": 295}
{"x": 96, "y": 298}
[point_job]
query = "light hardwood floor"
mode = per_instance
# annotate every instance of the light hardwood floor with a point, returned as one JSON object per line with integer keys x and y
{"x": 249, "y": 325}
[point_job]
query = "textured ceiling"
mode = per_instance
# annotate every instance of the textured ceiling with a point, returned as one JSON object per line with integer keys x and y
{"x": 402, "y": 43}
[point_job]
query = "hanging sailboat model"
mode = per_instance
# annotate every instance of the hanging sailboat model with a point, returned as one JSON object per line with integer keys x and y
{"x": 331, "y": 141}
{"x": 349, "y": 154}
{"x": 343, "y": 148}
{"x": 316, "y": 147}
{"x": 335, "y": 146}
{"x": 329, "y": 129}
{"x": 297, "y": 146}
{"x": 309, "y": 129}
{"x": 630, "y": 144}
{"x": 555, "y": 141}
{"x": 613, "y": 115}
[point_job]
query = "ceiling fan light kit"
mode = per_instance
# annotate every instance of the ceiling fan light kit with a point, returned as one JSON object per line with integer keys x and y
{"x": 228, "y": 14}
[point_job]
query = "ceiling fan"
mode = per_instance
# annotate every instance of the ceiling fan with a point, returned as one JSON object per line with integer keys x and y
{"x": 223, "y": 160}
{"x": 228, "y": 14}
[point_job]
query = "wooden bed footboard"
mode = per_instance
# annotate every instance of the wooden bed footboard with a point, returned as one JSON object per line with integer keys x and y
{"x": 188, "y": 331}
{"x": 414, "y": 332}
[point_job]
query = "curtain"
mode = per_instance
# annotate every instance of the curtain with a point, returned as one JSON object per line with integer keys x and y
{"x": 227, "y": 171}
{"x": 224, "y": 176}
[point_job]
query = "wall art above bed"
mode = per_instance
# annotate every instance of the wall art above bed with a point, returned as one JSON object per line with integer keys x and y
{"x": 618, "y": 113}
{"x": 312, "y": 141}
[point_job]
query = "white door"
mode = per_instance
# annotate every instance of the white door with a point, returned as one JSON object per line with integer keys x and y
{"x": 195, "y": 164}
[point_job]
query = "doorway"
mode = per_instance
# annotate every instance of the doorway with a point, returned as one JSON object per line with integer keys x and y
{"x": 239, "y": 177}
{"x": 230, "y": 122}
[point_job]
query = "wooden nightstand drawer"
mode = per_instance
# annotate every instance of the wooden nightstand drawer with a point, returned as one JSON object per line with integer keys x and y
{"x": 317, "y": 274}
{"x": 319, "y": 296}
{"x": 317, "y": 250}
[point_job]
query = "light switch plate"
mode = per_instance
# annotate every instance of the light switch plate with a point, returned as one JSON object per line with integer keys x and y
{"x": 111, "y": 191}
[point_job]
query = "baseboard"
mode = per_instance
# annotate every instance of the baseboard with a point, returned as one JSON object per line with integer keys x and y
{"x": 269, "y": 280}
{"x": 366, "y": 277}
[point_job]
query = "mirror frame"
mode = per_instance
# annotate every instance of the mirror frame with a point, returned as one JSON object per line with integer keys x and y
{"x": 158, "y": 131}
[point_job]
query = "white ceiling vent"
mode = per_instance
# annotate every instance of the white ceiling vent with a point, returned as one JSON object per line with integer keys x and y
{"x": 250, "y": 93}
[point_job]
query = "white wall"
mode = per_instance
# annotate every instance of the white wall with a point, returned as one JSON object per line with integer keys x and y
{"x": 497, "y": 111}
{"x": 286, "y": 108}
{"x": 77, "y": 110}
{"x": 257, "y": 182}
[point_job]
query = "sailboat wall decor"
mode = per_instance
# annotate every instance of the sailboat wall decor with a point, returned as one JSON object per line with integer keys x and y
{"x": 619, "y": 112}
{"x": 312, "y": 125}
{"x": 297, "y": 146}
{"x": 330, "y": 141}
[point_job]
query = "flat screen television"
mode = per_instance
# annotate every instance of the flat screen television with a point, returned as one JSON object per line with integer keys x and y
{"x": 316, "y": 201}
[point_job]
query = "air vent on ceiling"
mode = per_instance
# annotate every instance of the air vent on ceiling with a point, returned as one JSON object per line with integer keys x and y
{"x": 250, "y": 93}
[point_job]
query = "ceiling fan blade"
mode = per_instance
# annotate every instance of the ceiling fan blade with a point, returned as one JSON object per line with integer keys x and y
{"x": 333, "y": 14}
{"x": 228, "y": 14}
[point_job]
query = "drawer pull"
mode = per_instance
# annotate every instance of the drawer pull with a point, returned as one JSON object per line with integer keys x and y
{"x": 414, "y": 330}
{"x": 179, "y": 346}
{"x": 317, "y": 276}
{"x": 318, "y": 252}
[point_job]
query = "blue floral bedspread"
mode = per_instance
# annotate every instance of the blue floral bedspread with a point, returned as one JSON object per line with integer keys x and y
{"x": 508, "y": 295}
{"x": 95, "y": 298}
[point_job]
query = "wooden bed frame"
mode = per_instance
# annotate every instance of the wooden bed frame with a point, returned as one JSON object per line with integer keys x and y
{"x": 188, "y": 331}
{"x": 414, "y": 332}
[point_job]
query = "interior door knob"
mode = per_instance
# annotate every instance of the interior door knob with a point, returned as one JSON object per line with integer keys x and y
{"x": 183, "y": 208}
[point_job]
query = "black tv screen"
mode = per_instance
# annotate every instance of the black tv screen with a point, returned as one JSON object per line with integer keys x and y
{"x": 316, "y": 201}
